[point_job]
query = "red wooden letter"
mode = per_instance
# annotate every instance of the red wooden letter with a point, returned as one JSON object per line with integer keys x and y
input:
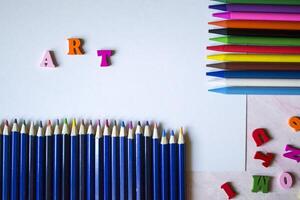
{"x": 260, "y": 136}
{"x": 227, "y": 187}
{"x": 267, "y": 158}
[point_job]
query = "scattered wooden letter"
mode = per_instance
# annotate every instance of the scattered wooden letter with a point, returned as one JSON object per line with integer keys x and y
{"x": 227, "y": 187}
{"x": 293, "y": 153}
{"x": 267, "y": 158}
{"x": 105, "y": 54}
{"x": 261, "y": 183}
{"x": 286, "y": 180}
{"x": 294, "y": 123}
{"x": 48, "y": 60}
{"x": 75, "y": 46}
{"x": 260, "y": 136}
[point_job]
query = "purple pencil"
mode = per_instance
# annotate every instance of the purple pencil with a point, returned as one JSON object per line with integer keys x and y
{"x": 257, "y": 8}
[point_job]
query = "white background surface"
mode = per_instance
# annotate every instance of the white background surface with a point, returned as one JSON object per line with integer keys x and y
{"x": 157, "y": 74}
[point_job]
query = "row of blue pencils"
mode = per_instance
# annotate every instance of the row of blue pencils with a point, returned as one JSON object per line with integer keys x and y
{"x": 116, "y": 162}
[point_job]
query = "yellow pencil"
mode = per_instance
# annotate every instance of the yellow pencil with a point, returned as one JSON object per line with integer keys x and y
{"x": 255, "y": 58}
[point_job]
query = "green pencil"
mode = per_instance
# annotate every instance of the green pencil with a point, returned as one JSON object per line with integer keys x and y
{"x": 280, "y": 2}
{"x": 267, "y": 41}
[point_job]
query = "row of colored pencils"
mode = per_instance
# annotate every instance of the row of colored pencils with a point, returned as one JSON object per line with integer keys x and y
{"x": 260, "y": 47}
{"x": 117, "y": 162}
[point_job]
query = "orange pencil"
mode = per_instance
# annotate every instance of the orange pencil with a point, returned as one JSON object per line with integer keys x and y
{"x": 257, "y": 24}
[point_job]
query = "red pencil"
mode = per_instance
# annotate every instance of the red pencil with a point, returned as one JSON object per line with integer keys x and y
{"x": 256, "y": 49}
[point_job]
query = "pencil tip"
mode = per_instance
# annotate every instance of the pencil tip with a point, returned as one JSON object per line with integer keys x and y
{"x": 172, "y": 133}
{"x": 41, "y": 124}
{"x": 164, "y": 134}
{"x": 106, "y": 123}
{"x": 147, "y": 123}
{"x": 65, "y": 121}
{"x": 123, "y": 124}
{"x": 49, "y": 122}
{"x": 139, "y": 123}
{"x": 130, "y": 125}
{"x": 6, "y": 122}
{"x": 16, "y": 121}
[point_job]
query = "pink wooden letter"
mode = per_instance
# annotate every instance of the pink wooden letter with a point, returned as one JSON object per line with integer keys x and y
{"x": 286, "y": 180}
{"x": 106, "y": 54}
{"x": 47, "y": 60}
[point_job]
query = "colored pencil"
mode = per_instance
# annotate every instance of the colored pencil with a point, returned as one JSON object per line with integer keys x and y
{"x": 123, "y": 160}
{"x": 256, "y": 32}
{"x": 255, "y": 82}
{"x": 164, "y": 156}
{"x": 256, "y": 74}
{"x": 1, "y": 156}
{"x": 6, "y": 162}
{"x": 255, "y": 66}
{"x": 15, "y": 161}
{"x": 65, "y": 181}
{"x": 258, "y": 24}
{"x": 115, "y": 162}
{"x": 82, "y": 161}
{"x": 40, "y": 165}
{"x": 147, "y": 162}
{"x": 107, "y": 162}
{"x": 276, "y": 2}
{"x": 23, "y": 183}
{"x": 156, "y": 164}
{"x": 255, "y": 49}
{"x": 173, "y": 168}
{"x": 257, "y": 8}
{"x": 98, "y": 163}
{"x": 246, "y": 40}
{"x": 74, "y": 168}
{"x": 130, "y": 162}
{"x": 31, "y": 161}
{"x": 255, "y": 58}
{"x": 259, "y": 16}
{"x": 258, "y": 90}
{"x": 57, "y": 163}
{"x": 181, "y": 166}
{"x": 49, "y": 162}
{"x": 90, "y": 167}
{"x": 139, "y": 178}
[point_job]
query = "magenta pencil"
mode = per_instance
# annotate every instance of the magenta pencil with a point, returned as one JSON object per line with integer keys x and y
{"x": 259, "y": 16}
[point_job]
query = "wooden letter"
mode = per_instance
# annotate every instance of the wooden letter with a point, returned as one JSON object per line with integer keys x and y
{"x": 260, "y": 136}
{"x": 294, "y": 153}
{"x": 75, "y": 46}
{"x": 294, "y": 123}
{"x": 48, "y": 60}
{"x": 261, "y": 183}
{"x": 227, "y": 187}
{"x": 267, "y": 158}
{"x": 286, "y": 180}
{"x": 106, "y": 54}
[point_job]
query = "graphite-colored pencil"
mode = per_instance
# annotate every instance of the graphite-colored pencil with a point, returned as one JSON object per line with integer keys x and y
{"x": 165, "y": 173}
{"x": 256, "y": 32}
{"x": 74, "y": 168}
{"x": 15, "y": 161}
{"x": 57, "y": 163}
{"x": 115, "y": 162}
{"x": 6, "y": 155}
{"x": 49, "y": 162}
{"x": 249, "y": 40}
{"x": 257, "y": 90}
{"x": 259, "y": 16}
{"x": 82, "y": 161}
{"x": 90, "y": 167}
{"x": 156, "y": 164}
{"x": 255, "y": 74}
{"x": 275, "y": 2}
{"x": 147, "y": 162}
{"x": 255, "y": 66}
{"x": 257, "y": 24}
{"x": 257, "y": 8}
{"x": 107, "y": 162}
{"x": 256, "y": 49}
{"x": 252, "y": 82}
{"x": 292, "y": 58}
{"x": 40, "y": 165}
{"x": 31, "y": 161}
{"x": 98, "y": 163}
{"x": 122, "y": 163}
{"x": 173, "y": 168}
{"x": 23, "y": 183}
{"x": 139, "y": 167}
{"x": 181, "y": 166}
{"x": 65, "y": 178}
{"x": 131, "y": 162}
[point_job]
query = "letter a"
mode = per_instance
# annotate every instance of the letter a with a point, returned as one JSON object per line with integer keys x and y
{"x": 48, "y": 60}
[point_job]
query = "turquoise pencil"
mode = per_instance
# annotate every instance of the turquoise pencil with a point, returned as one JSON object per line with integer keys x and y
{"x": 258, "y": 90}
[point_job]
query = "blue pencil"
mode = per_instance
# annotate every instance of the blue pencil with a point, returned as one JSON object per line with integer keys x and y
{"x": 148, "y": 162}
{"x": 74, "y": 168}
{"x": 156, "y": 164}
{"x": 139, "y": 167}
{"x": 98, "y": 163}
{"x": 173, "y": 168}
{"x": 6, "y": 163}
{"x": 164, "y": 167}
{"x": 15, "y": 161}
{"x": 181, "y": 160}
{"x": 114, "y": 162}
{"x": 65, "y": 178}
{"x": 130, "y": 163}
{"x": 256, "y": 74}
{"x": 57, "y": 163}
{"x": 31, "y": 161}
{"x": 40, "y": 165}
{"x": 49, "y": 161}
{"x": 122, "y": 165}
{"x": 1, "y": 156}
{"x": 23, "y": 183}
{"x": 107, "y": 162}
{"x": 258, "y": 90}
{"x": 82, "y": 161}
{"x": 90, "y": 167}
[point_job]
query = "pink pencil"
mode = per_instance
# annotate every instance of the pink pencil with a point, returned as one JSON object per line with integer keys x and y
{"x": 259, "y": 16}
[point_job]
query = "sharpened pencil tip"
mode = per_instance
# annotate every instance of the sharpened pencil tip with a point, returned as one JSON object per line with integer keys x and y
{"x": 41, "y": 124}
{"x": 139, "y": 123}
{"x": 123, "y": 124}
{"x": 16, "y": 121}
{"x": 106, "y": 123}
{"x": 130, "y": 125}
{"x": 6, "y": 122}
{"x": 172, "y": 133}
{"x": 49, "y": 122}
{"x": 147, "y": 123}
{"x": 164, "y": 134}
{"x": 66, "y": 121}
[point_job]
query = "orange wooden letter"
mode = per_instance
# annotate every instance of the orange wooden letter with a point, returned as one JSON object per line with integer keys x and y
{"x": 75, "y": 46}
